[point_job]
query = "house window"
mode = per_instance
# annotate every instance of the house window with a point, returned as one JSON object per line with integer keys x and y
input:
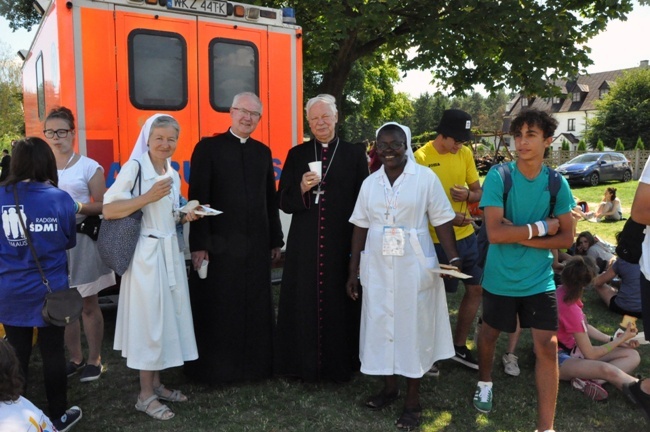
{"x": 571, "y": 126}
{"x": 602, "y": 92}
{"x": 576, "y": 97}
{"x": 524, "y": 102}
{"x": 556, "y": 100}
{"x": 157, "y": 70}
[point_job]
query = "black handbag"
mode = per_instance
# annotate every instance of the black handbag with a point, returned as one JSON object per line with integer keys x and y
{"x": 90, "y": 226}
{"x": 118, "y": 237}
{"x": 60, "y": 308}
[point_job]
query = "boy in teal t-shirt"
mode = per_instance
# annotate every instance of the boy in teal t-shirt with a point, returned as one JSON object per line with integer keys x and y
{"x": 518, "y": 280}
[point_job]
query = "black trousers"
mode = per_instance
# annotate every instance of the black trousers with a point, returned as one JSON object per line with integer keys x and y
{"x": 50, "y": 342}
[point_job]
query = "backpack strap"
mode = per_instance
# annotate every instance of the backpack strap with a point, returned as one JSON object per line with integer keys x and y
{"x": 554, "y": 184}
{"x": 504, "y": 171}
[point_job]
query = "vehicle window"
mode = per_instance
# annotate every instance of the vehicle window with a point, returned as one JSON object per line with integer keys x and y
{"x": 40, "y": 87}
{"x": 157, "y": 70}
{"x": 234, "y": 68}
{"x": 607, "y": 158}
{"x": 585, "y": 158}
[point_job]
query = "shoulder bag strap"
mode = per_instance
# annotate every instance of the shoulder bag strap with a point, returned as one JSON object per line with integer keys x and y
{"x": 29, "y": 241}
{"x": 138, "y": 179}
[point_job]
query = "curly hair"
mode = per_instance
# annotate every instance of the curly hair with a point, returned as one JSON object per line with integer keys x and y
{"x": 534, "y": 117}
{"x": 11, "y": 379}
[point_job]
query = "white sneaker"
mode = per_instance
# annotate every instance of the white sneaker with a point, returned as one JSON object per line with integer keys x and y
{"x": 510, "y": 365}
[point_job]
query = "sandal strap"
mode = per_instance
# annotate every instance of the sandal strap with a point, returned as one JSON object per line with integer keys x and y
{"x": 144, "y": 404}
{"x": 174, "y": 396}
{"x": 159, "y": 412}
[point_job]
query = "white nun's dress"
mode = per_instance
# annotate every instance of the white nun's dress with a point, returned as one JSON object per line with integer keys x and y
{"x": 404, "y": 319}
{"x": 154, "y": 327}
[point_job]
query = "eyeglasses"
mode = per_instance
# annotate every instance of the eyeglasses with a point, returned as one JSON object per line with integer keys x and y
{"x": 61, "y": 133}
{"x": 251, "y": 114}
{"x": 395, "y": 145}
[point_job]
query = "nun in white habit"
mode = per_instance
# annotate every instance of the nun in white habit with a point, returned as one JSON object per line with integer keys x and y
{"x": 404, "y": 320}
{"x": 154, "y": 329}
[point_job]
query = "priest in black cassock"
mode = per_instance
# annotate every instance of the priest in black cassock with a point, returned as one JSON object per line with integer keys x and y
{"x": 232, "y": 307}
{"x": 318, "y": 325}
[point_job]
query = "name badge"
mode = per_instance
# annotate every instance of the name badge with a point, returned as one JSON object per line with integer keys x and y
{"x": 393, "y": 241}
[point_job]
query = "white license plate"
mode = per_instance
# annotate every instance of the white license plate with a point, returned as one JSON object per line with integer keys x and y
{"x": 210, "y": 7}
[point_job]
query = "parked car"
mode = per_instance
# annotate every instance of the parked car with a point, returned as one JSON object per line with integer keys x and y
{"x": 592, "y": 168}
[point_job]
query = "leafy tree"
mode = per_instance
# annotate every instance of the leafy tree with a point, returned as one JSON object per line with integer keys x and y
{"x": 371, "y": 99}
{"x": 600, "y": 145}
{"x": 19, "y": 13}
{"x": 565, "y": 145}
{"x": 625, "y": 111}
{"x": 427, "y": 111}
{"x": 12, "y": 124}
{"x": 582, "y": 145}
{"x": 619, "y": 145}
{"x": 639, "y": 144}
{"x": 523, "y": 45}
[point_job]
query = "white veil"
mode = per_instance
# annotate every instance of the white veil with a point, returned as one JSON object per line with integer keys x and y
{"x": 407, "y": 132}
{"x": 140, "y": 147}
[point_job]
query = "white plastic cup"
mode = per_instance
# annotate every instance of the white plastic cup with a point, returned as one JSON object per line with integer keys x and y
{"x": 316, "y": 167}
{"x": 203, "y": 270}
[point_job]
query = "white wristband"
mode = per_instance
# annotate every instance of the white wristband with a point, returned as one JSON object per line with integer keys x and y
{"x": 530, "y": 231}
{"x": 541, "y": 231}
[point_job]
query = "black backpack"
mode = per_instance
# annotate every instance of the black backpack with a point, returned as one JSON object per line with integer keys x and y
{"x": 503, "y": 169}
{"x": 630, "y": 240}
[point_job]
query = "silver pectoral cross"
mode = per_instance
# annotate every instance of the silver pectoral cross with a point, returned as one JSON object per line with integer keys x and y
{"x": 318, "y": 193}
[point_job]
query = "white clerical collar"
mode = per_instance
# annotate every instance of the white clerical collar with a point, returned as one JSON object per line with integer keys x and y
{"x": 326, "y": 144}
{"x": 241, "y": 140}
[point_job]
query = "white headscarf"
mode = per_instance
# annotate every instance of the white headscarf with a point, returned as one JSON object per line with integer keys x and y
{"x": 407, "y": 132}
{"x": 141, "y": 146}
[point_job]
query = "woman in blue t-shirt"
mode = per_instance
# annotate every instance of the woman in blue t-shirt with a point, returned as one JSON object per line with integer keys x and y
{"x": 49, "y": 215}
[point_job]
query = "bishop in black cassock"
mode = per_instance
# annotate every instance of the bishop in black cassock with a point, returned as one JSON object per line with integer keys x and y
{"x": 318, "y": 324}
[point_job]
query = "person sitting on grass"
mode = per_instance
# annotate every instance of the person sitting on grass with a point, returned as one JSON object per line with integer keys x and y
{"x": 626, "y": 300}
{"x": 590, "y": 245}
{"x": 608, "y": 210}
{"x": 17, "y": 414}
{"x": 585, "y": 365}
{"x": 580, "y": 211}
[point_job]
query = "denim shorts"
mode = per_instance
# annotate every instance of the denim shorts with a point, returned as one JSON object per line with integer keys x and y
{"x": 561, "y": 356}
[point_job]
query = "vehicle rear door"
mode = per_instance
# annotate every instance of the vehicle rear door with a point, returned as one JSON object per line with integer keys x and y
{"x": 155, "y": 54}
{"x": 231, "y": 59}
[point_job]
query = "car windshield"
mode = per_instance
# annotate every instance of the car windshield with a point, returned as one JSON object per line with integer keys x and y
{"x": 585, "y": 158}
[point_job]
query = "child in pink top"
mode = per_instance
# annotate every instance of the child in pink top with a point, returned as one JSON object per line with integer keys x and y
{"x": 585, "y": 365}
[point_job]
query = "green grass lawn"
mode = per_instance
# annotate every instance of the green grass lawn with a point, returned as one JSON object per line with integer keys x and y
{"x": 280, "y": 405}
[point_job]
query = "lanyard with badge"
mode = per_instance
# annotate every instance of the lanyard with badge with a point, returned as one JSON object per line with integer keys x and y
{"x": 393, "y": 238}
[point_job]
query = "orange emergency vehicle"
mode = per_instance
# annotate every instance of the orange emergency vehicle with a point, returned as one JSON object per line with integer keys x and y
{"x": 117, "y": 62}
